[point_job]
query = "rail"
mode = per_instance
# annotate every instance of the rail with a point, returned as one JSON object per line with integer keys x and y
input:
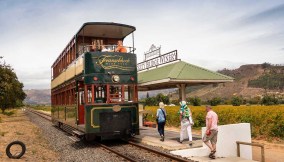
{"x": 251, "y": 144}
{"x": 48, "y": 117}
{"x": 158, "y": 152}
{"x": 43, "y": 115}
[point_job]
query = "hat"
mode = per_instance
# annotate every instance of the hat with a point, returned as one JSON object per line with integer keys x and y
{"x": 182, "y": 103}
{"x": 161, "y": 105}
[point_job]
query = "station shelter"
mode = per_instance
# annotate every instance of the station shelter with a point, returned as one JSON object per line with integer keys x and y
{"x": 178, "y": 74}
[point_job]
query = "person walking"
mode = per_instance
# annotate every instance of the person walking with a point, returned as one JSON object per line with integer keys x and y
{"x": 211, "y": 131}
{"x": 161, "y": 120}
{"x": 186, "y": 122}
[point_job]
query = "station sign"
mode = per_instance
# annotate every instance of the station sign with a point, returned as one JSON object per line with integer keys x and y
{"x": 159, "y": 60}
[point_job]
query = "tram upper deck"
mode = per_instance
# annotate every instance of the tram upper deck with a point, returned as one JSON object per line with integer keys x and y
{"x": 103, "y": 36}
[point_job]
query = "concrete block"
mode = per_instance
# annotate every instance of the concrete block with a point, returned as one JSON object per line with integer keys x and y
{"x": 226, "y": 144}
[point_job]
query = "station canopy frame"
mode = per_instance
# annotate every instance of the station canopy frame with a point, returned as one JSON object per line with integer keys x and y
{"x": 178, "y": 75}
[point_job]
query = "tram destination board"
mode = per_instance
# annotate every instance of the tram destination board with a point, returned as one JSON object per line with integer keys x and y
{"x": 154, "y": 62}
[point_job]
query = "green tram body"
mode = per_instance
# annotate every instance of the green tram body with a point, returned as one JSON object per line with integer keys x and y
{"x": 102, "y": 100}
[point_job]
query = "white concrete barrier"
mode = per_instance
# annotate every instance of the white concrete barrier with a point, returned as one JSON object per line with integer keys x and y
{"x": 226, "y": 144}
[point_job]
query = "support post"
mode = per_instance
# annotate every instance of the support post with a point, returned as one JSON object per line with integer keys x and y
{"x": 183, "y": 96}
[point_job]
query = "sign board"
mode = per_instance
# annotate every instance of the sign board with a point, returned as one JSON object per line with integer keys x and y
{"x": 153, "y": 52}
{"x": 154, "y": 62}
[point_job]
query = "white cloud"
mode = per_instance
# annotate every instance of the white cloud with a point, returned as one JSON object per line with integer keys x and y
{"x": 208, "y": 34}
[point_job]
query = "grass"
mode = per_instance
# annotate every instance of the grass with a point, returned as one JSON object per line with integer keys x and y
{"x": 19, "y": 133}
{"x": 3, "y": 133}
{"x": 44, "y": 108}
{"x": 9, "y": 113}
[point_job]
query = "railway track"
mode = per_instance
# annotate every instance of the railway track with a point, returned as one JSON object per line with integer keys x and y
{"x": 122, "y": 154}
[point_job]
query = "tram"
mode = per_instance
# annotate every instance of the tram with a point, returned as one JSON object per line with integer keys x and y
{"x": 94, "y": 83}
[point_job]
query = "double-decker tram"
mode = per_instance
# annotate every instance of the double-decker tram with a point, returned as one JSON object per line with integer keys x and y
{"x": 94, "y": 83}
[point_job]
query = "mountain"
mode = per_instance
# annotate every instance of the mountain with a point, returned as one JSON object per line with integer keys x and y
{"x": 38, "y": 96}
{"x": 251, "y": 80}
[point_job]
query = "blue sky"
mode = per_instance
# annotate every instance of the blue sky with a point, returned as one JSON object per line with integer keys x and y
{"x": 212, "y": 34}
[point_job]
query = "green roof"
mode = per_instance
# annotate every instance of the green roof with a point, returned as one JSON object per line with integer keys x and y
{"x": 180, "y": 72}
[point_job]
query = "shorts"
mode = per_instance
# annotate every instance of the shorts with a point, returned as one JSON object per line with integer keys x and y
{"x": 212, "y": 137}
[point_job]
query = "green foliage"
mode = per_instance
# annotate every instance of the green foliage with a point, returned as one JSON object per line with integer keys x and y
{"x": 265, "y": 65}
{"x": 176, "y": 102}
{"x": 254, "y": 101}
{"x": 215, "y": 101}
{"x": 154, "y": 101}
{"x": 9, "y": 113}
{"x": 269, "y": 100}
{"x": 161, "y": 98}
{"x": 269, "y": 81}
{"x": 195, "y": 101}
{"x": 11, "y": 90}
{"x": 151, "y": 101}
{"x": 236, "y": 101}
{"x": 266, "y": 121}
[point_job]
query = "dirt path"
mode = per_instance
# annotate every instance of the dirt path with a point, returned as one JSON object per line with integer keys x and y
{"x": 18, "y": 127}
{"x": 273, "y": 152}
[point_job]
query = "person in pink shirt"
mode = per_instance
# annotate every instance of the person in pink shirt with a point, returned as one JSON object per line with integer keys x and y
{"x": 211, "y": 131}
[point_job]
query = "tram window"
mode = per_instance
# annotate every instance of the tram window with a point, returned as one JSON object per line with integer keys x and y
{"x": 116, "y": 93}
{"x": 129, "y": 93}
{"x": 100, "y": 94}
{"x": 89, "y": 94}
{"x": 81, "y": 96}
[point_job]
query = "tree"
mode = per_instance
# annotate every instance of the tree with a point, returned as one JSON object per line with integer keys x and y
{"x": 11, "y": 90}
{"x": 215, "y": 101}
{"x": 269, "y": 100}
{"x": 236, "y": 101}
{"x": 151, "y": 101}
{"x": 147, "y": 95}
{"x": 195, "y": 101}
{"x": 161, "y": 98}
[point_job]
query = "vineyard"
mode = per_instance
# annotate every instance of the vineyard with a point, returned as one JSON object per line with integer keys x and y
{"x": 266, "y": 121}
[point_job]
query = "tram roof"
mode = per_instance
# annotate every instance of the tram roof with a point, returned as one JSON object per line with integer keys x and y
{"x": 105, "y": 30}
{"x": 169, "y": 76}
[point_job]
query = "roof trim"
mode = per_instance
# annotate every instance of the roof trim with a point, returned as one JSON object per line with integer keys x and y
{"x": 183, "y": 81}
{"x": 106, "y": 23}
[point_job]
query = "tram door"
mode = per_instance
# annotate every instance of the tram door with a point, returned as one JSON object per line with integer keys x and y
{"x": 81, "y": 103}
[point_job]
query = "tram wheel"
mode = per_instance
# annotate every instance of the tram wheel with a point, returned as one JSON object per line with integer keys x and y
{"x": 18, "y": 155}
{"x": 89, "y": 137}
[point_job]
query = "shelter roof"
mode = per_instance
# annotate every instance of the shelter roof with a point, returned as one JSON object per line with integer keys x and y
{"x": 169, "y": 76}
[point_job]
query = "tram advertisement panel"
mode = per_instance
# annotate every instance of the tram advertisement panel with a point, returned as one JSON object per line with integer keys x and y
{"x": 110, "y": 62}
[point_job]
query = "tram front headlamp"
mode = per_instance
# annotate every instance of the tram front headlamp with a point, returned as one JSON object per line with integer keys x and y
{"x": 115, "y": 78}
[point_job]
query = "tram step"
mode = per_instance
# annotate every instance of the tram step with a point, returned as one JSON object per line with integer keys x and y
{"x": 78, "y": 133}
{"x": 75, "y": 139}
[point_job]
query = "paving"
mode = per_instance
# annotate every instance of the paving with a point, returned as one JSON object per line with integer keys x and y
{"x": 150, "y": 136}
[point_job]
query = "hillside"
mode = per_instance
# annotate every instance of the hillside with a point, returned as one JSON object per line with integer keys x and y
{"x": 38, "y": 96}
{"x": 250, "y": 81}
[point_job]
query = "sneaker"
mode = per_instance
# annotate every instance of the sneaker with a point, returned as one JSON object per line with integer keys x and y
{"x": 190, "y": 143}
{"x": 162, "y": 138}
{"x": 180, "y": 141}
